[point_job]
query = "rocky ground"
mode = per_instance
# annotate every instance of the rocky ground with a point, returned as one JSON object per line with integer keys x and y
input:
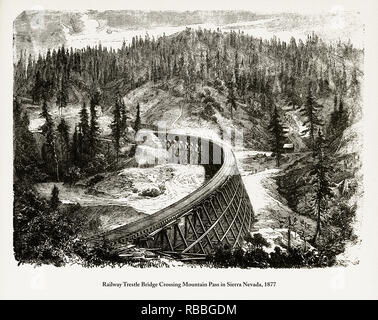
{"x": 131, "y": 193}
{"x": 272, "y": 213}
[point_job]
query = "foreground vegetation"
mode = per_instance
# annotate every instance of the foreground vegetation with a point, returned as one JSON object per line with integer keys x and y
{"x": 254, "y": 256}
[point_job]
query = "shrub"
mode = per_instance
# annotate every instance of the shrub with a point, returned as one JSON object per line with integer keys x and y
{"x": 43, "y": 234}
{"x": 150, "y": 192}
{"x": 257, "y": 240}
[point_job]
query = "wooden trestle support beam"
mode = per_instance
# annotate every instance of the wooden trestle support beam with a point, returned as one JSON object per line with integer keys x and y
{"x": 222, "y": 218}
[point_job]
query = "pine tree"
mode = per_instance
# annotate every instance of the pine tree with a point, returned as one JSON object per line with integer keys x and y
{"x": 290, "y": 90}
{"x": 278, "y": 137}
{"x": 94, "y": 130}
{"x": 116, "y": 127}
{"x": 16, "y": 114}
{"x": 124, "y": 118}
{"x": 75, "y": 148}
{"x": 231, "y": 99}
{"x": 20, "y": 76}
{"x": 310, "y": 111}
{"x": 236, "y": 67}
{"x": 64, "y": 140}
{"x": 37, "y": 90}
{"x": 84, "y": 131}
{"x": 321, "y": 182}
{"x": 48, "y": 132}
{"x": 26, "y": 157}
{"x": 62, "y": 95}
{"x": 338, "y": 120}
{"x": 137, "y": 122}
{"x": 54, "y": 200}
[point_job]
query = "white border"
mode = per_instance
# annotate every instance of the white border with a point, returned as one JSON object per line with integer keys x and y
{"x": 47, "y": 282}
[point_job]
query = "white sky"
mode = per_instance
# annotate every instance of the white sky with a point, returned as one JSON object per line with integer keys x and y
{"x": 301, "y": 6}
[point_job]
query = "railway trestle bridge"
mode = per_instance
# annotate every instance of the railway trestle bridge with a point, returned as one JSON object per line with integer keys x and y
{"x": 217, "y": 213}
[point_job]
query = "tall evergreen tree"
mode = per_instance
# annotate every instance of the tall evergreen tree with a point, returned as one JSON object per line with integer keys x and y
{"x": 116, "y": 127}
{"x": 62, "y": 94}
{"x": 64, "y": 141}
{"x": 278, "y": 137}
{"x": 231, "y": 99}
{"x": 37, "y": 90}
{"x": 75, "y": 148}
{"x": 137, "y": 122}
{"x": 124, "y": 118}
{"x": 26, "y": 157}
{"x": 321, "y": 182}
{"x": 54, "y": 200}
{"x": 94, "y": 130}
{"x": 84, "y": 131}
{"x": 339, "y": 120}
{"x": 48, "y": 132}
{"x": 310, "y": 110}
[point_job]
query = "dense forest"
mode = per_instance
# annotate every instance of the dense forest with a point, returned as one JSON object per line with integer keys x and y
{"x": 263, "y": 76}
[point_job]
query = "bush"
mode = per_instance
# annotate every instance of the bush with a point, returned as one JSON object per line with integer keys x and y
{"x": 100, "y": 254}
{"x": 257, "y": 240}
{"x": 150, "y": 192}
{"x": 74, "y": 174}
{"x": 43, "y": 234}
{"x": 256, "y": 257}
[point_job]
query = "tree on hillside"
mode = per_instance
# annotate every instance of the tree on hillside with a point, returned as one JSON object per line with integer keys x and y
{"x": 277, "y": 134}
{"x": 62, "y": 94}
{"x": 49, "y": 147}
{"x": 116, "y": 127}
{"x": 37, "y": 90}
{"x": 84, "y": 131}
{"x": 124, "y": 118}
{"x": 94, "y": 128}
{"x": 321, "y": 182}
{"x": 137, "y": 122}
{"x": 293, "y": 98}
{"x": 20, "y": 76}
{"x": 338, "y": 120}
{"x": 54, "y": 200}
{"x": 236, "y": 69}
{"x": 64, "y": 141}
{"x": 310, "y": 110}
{"x": 231, "y": 99}
{"x": 75, "y": 152}
{"x": 26, "y": 157}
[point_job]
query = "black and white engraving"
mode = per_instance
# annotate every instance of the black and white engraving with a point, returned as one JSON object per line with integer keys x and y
{"x": 204, "y": 138}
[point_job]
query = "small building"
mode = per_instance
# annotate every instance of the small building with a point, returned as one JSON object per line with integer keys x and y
{"x": 288, "y": 147}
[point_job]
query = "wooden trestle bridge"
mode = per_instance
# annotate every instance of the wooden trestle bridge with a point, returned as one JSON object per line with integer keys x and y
{"x": 217, "y": 213}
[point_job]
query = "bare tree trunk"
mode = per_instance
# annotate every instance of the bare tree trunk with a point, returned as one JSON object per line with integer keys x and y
{"x": 278, "y": 159}
{"x": 289, "y": 235}
{"x": 56, "y": 163}
{"x": 317, "y": 231}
